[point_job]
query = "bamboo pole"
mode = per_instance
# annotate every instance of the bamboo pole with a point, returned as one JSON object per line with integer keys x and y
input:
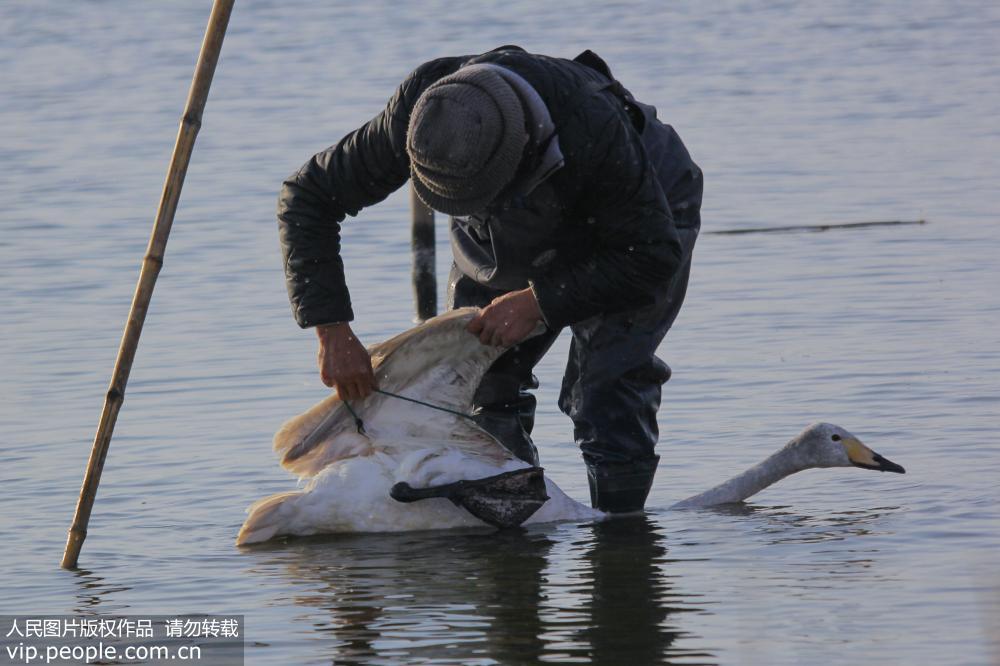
{"x": 424, "y": 280}
{"x": 151, "y": 264}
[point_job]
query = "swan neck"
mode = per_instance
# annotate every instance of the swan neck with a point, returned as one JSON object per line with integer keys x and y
{"x": 750, "y": 482}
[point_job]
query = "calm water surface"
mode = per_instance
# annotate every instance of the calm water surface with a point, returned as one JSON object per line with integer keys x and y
{"x": 839, "y": 112}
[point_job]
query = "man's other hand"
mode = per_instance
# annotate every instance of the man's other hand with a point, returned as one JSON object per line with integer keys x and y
{"x": 509, "y": 319}
{"x": 344, "y": 362}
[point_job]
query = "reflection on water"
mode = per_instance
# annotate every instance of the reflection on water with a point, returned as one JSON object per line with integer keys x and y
{"x": 477, "y": 597}
{"x": 94, "y": 595}
{"x": 783, "y": 524}
{"x": 632, "y": 596}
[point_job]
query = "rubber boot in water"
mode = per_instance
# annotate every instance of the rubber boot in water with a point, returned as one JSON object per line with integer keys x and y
{"x": 507, "y": 426}
{"x": 621, "y": 487}
{"x": 508, "y": 413}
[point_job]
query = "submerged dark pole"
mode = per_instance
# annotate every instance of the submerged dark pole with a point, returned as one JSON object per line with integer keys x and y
{"x": 190, "y": 123}
{"x": 424, "y": 280}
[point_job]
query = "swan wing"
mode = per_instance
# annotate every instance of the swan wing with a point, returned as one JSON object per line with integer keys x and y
{"x": 437, "y": 363}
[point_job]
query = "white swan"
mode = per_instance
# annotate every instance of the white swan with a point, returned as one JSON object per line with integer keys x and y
{"x": 349, "y": 473}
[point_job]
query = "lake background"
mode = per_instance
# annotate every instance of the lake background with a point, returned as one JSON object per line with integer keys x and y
{"x": 799, "y": 113}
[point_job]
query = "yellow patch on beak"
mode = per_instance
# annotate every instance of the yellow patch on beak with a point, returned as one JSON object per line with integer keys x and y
{"x": 862, "y": 456}
{"x": 859, "y": 453}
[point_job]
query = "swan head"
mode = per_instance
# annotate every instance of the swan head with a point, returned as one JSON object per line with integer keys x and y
{"x": 828, "y": 445}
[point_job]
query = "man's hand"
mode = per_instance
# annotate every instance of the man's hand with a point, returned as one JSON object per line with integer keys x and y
{"x": 507, "y": 320}
{"x": 344, "y": 362}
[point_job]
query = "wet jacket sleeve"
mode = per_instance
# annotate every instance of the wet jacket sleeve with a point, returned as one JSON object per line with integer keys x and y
{"x": 623, "y": 213}
{"x": 362, "y": 169}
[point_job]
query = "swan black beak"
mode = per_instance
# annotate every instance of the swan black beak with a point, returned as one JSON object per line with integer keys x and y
{"x": 883, "y": 465}
{"x": 861, "y": 456}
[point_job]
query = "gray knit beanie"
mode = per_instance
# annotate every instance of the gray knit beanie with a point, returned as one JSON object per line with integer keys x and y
{"x": 465, "y": 140}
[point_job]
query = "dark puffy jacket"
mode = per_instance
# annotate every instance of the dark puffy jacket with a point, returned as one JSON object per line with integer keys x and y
{"x": 616, "y": 241}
